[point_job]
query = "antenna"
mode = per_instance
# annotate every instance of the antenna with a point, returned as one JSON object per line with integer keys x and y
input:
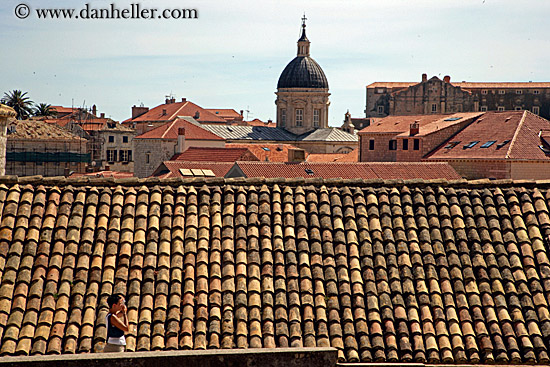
{"x": 247, "y": 111}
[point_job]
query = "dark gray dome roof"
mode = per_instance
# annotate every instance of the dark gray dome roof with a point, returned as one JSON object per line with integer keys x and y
{"x": 303, "y": 72}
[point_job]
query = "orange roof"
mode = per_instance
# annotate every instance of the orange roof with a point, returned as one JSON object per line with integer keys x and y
{"x": 514, "y": 135}
{"x": 230, "y": 154}
{"x": 170, "y": 111}
{"x": 61, "y": 109}
{"x": 225, "y": 113}
{"x": 258, "y": 122}
{"x": 467, "y": 85}
{"x": 352, "y": 156}
{"x": 170, "y": 131}
{"x": 192, "y": 169}
{"x": 267, "y": 152}
{"x": 363, "y": 170}
{"x": 427, "y": 123}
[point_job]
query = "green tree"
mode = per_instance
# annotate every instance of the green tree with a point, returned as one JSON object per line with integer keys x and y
{"x": 19, "y": 101}
{"x": 44, "y": 109}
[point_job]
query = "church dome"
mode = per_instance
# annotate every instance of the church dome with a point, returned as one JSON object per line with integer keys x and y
{"x": 303, "y": 72}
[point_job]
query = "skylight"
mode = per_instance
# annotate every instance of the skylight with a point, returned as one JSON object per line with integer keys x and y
{"x": 488, "y": 144}
{"x": 500, "y": 145}
{"x": 309, "y": 171}
{"x": 453, "y": 119}
{"x": 470, "y": 144}
{"x": 266, "y": 149}
{"x": 452, "y": 144}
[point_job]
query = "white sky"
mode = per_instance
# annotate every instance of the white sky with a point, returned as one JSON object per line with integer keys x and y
{"x": 232, "y": 56}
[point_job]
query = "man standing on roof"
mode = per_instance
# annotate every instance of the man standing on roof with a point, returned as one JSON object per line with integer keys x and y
{"x": 117, "y": 324}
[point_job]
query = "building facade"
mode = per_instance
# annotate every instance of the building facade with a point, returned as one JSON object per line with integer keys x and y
{"x": 436, "y": 96}
{"x": 302, "y": 92}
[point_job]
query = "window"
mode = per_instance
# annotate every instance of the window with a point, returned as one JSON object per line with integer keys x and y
{"x": 483, "y": 109}
{"x": 125, "y": 156}
{"x": 416, "y": 144}
{"x": 434, "y": 107}
{"x": 393, "y": 144}
{"x": 111, "y": 155}
{"x": 500, "y": 108}
{"x": 124, "y": 139}
{"x": 283, "y": 117}
{"x": 470, "y": 144}
{"x": 501, "y": 91}
{"x": 518, "y": 108}
{"x": 488, "y": 144}
{"x": 147, "y": 158}
{"x": 371, "y": 144}
{"x": 536, "y": 91}
{"x": 309, "y": 171}
{"x": 316, "y": 115}
{"x": 299, "y": 117}
{"x": 536, "y": 110}
{"x": 500, "y": 145}
{"x": 380, "y": 90}
{"x": 519, "y": 91}
{"x": 266, "y": 149}
{"x": 405, "y": 144}
{"x": 111, "y": 139}
{"x": 484, "y": 91}
{"x": 452, "y": 144}
{"x": 380, "y": 109}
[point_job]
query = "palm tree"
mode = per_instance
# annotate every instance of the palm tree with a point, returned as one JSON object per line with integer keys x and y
{"x": 44, "y": 109}
{"x": 19, "y": 102}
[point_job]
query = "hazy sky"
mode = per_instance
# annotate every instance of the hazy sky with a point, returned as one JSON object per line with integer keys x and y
{"x": 233, "y": 54}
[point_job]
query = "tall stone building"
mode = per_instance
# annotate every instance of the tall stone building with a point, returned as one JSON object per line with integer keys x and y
{"x": 436, "y": 96}
{"x": 302, "y": 92}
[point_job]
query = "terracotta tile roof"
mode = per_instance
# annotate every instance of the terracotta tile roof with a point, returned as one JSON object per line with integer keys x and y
{"x": 363, "y": 170}
{"x": 352, "y": 156}
{"x": 258, "y": 122}
{"x": 170, "y": 111}
{"x": 189, "y": 169}
{"x": 228, "y": 154}
{"x": 392, "y": 272}
{"x": 38, "y": 130}
{"x": 227, "y": 114}
{"x": 61, "y": 109}
{"x": 193, "y": 131}
{"x": 514, "y": 135}
{"x": 468, "y": 85}
{"x": 267, "y": 152}
{"x": 427, "y": 123}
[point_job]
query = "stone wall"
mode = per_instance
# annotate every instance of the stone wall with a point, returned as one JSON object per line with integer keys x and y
{"x": 5, "y": 113}
{"x": 288, "y": 357}
{"x": 306, "y": 99}
{"x": 150, "y": 153}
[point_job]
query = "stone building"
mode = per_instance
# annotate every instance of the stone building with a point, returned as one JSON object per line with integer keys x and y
{"x": 160, "y": 144}
{"x": 302, "y": 92}
{"x": 436, "y": 96}
{"x": 37, "y": 148}
{"x": 6, "y": 113}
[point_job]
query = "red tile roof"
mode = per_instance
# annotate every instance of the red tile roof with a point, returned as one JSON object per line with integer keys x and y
{"x": 169, "y": 130}
{"x": 516, "y": 136}
{"x": 61, "y": 109}
{"x": 177, "y": 169}
{"x": 258, "y": 122}
{"x": 227, "y": 114}
{"x": 352, "y": 156}
{"x": 200, "y": 154}
{"x": 170, "y": 111}
{"x": 427, "y": 123}
{"x": 363, "y": 170}
{"x": 267, "y": 152}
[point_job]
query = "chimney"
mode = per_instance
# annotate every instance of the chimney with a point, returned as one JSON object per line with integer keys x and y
{"x": 296, "y": 155}
{"x": 415, "y": 128}
{"x": 102, "y": 115}
{"x": 241, "y": 113}
{"x": 197, "y": 115}
{"x": 164, "y": 112}
{"x": 424, "y": 77}
{"x": 138, "y": 111}
{"x": 180, "y": 147}
{"x": 166, "y": 101}
{"x": 184, "y": 99}
{"x": 447, "y": 79}
{"x": 107, "y": 168}
{"x": 94, "y": 110}
{"x": 172, "y": 100}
